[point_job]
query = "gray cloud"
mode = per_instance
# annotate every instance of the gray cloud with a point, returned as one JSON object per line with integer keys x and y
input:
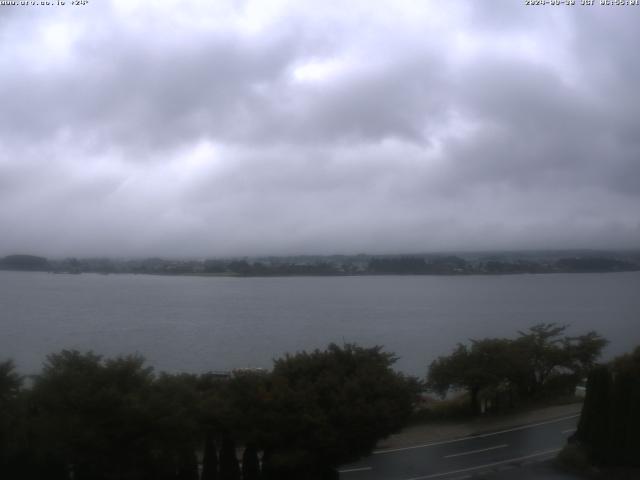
{"x": 274, "y": 127}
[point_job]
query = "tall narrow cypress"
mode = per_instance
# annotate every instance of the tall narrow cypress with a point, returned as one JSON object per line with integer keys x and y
{"x": 210, "y": 459}
{"x": 250, "y": 463}
{"x": 593, "y": 427}
{"x": 267, "y": 471}
{"x": 632, "y": 447}
{"x": 229, "y": 467}
{"x": 625, "y": 418}
{"x": 620, "y": 410}
{"x": 188, "y": 466}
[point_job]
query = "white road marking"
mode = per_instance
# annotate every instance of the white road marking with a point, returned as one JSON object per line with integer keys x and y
{"x": 569, "y": 430}
{"x": 471, "y": 437}
{"x": 349, "y": 470}
{"x": 486, "y": 465}
{"x": 470, "y": 452}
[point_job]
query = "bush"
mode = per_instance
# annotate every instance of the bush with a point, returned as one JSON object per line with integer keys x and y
{"x": 450, "y": 409}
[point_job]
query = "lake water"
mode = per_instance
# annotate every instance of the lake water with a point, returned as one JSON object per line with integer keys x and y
{"x": 213, "y": 323}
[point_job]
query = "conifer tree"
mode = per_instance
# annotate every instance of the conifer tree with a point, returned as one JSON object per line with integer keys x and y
{"x": 250, "y": 463}
{"x": 210, "y": 459}
{"x": 229, "y": 467}
{"x": 188, "y": 468}
{"x": 594, "y": 425}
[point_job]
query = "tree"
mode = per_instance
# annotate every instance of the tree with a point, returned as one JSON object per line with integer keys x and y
{"x": 542, "y": 345}
{"x": 593, "y": 426}
{"x": 451, "y": 372}
{"x": 582, "y": 352}
{"x": 489, "y": 364}
{"x": 209, "y": 459}
{"x": 331, "y": 407}
{"x": 551, "y": 354}
{"x": 609, "y": 422}
{"x": 188, "y": 466}
{"x": 625, "y": 414}
{"x": 10, "y": 413}
{"x": 229, "y": 468}
{"x": 92, "y": 414}
{"x": 250, "y": 463}
{"x": 10, "y": 382}
{"x": 539, "y": 362}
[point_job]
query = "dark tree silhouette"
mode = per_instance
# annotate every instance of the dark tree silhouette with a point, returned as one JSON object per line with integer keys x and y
{"x": 210, "y": 459}
{"x": 250, "y": 463}
{"x": 331, "y": 407}
{"x": 188, "y": 468}
{"x": 229, "y": 467}
{"x": 593, "y": 427}
{"x": 540, "y": 362}
{"x": 610, "y": 419}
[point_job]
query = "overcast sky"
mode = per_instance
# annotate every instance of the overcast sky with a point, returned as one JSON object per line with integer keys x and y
{"x": 216, "y": 128}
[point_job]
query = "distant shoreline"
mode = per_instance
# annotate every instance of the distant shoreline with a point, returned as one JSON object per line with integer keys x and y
{"x": 334, "y": 275}
{"x": 342, "y": 265}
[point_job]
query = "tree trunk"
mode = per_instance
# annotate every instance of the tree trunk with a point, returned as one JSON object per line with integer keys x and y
{"x": 475, "y": 401}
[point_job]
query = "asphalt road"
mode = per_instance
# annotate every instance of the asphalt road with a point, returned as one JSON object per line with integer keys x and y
{"x": 496, "y": 452}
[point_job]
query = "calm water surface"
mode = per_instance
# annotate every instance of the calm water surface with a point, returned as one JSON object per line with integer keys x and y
{"x": 213, "y": 323}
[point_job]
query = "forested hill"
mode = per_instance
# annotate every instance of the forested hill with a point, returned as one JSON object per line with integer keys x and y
{"x": 24, "y": 262}
{"x": 335, "y": 265}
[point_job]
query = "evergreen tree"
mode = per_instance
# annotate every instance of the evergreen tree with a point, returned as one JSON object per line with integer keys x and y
{"x": 610, "y": 416}
{"x": 250, "y": 463}
{"x": 210, "y": 459}
{"x": 269, "y": 472}
{"x": 330, "y": 407}
{"x": 594, "y": 425}
{"x": 625, "y": 411}
{"x": 10, "y": 412}
{"x": 229, "y": 467}
{"x": 188, "y": 468}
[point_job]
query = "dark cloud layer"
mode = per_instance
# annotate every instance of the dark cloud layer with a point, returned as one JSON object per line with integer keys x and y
{"x": 222, "y": 128}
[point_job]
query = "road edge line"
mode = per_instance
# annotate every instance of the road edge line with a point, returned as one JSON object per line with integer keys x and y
{"x": 471, "y": 437}
{"x": 487, "y": 465}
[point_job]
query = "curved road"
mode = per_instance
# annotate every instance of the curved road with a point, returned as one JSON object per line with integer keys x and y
{"x": 465, "y": 457}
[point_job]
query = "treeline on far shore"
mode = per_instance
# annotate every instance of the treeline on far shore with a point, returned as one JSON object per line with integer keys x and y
{"x": 336, "y": 265}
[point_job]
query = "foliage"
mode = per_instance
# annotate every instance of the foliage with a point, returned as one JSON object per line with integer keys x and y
{"x": 610, "y": 419}
{"x": 593, "y": 426}
{"x": 332, "y": 406}
{"x": 209, "y": 459}
{"x": 497, "y": 371}
{"x": 229, "y": 467}
{"x": 93, "y": 414}
{"x": 103, "y": 419}
{"x": 10, "y": 385}
{"x": 250, "y": 463}
{"x": 10, "y": 382}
